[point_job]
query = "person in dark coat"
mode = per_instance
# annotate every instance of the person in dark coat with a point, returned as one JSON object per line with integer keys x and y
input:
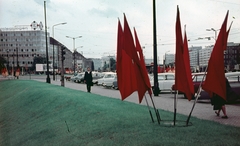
{"x": 88, "y": 79}
{"x": 219, "y": 103}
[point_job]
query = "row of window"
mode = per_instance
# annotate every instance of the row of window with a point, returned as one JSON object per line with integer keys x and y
{"x": 19, "y": 55}
{"x": 21, "y": 50}
{"x": 12, "y": 45}
{"x": 20, "y": 34}
{"x": 23, "y": 62}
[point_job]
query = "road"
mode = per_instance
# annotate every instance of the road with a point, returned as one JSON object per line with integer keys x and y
{"x": 202, "y": 110}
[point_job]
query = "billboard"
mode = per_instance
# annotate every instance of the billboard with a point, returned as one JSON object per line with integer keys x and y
{"x": 43, "y": 67}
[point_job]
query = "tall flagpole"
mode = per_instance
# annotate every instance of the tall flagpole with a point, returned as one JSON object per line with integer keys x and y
{"x": 156, "y": 87}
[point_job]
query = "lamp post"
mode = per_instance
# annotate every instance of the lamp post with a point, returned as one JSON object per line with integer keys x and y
{"x": 74, "y": 49}
{"x": 212, "y": 29}
{"x": 53, "y": 47}
{"x": 164, "y": 63}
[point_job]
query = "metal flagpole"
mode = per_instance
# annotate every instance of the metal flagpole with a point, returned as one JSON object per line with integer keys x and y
{"x": 149, "y": 109}
{"x": 196, "y": 97}
{"x": 175, "y": 108}
{"x": 156, "y": 111}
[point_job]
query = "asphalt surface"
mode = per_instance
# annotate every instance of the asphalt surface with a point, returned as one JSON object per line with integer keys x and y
{"x": 202, "y": 109}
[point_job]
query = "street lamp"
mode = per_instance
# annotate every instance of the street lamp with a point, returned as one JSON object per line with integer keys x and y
{"x": 164, "y": 63}
{"x": 74, "y": 49}
{"x": 212, "y": 29}
{"x": 53, "y": 46}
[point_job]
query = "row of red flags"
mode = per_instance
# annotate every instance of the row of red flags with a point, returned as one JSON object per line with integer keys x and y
{"x": 132, "y": 74}
{"x": 215, "y": 76}
{"x": 131, "y": 69}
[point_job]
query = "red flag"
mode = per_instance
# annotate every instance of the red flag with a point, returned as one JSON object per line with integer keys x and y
{"x": 145, "y": 86}
{"x": 215, "y": 78}
{"x": 181, "y": 78}
{"x": 130, "y": 50}
{"x": 189, "y": 93}
{"x": 125, "y": 68}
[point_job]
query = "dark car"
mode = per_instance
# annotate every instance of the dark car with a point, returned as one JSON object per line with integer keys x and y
{"x": 115, "y": 84}
{"x": 234, "y": 81}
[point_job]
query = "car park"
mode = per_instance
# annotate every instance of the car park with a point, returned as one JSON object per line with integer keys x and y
{"x": 165, "y": 81}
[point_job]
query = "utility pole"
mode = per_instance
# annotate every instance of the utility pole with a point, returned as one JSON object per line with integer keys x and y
{"x": 63, "y": 52}
{"x": 48, "y": 78}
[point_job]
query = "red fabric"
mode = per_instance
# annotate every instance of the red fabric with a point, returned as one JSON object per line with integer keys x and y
{"x": 215, "y": 78}
{"x": 181, "y": 73}
{"x": 125, "y": 68}
{"x": 143, "y": 80}
{"x": 189, "y": 83}
{"x": 130, "y": 50}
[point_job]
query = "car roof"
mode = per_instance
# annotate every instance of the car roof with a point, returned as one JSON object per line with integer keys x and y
{"x": 166, "y": 73}
{"x": 232, "y": 74}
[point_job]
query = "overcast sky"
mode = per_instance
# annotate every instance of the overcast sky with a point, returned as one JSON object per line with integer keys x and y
{"x": 96, "y": 21}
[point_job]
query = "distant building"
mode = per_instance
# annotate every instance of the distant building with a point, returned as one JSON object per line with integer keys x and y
{"x": 169, "y": 59}
{"x": 19, "y": 45}
{"x": 194, "y": 55}
{"x": 232, "y": 56}
{"x": 97, "y": 64}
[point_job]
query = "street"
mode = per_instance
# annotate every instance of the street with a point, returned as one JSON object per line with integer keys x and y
{"x": 202, "y": 110}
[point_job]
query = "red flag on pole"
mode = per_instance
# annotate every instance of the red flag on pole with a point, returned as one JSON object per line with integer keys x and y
{"x": 215, "y": 79}
{"x": 125, "y": 68}
{"x": 182, "y": 81}
{"x": 145, "y": 86}
{"x": 189, "y": 93}
{"x": 131, "y": 51}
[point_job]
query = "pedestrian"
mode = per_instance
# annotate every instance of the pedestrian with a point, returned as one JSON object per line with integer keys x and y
{"x": 219, "y": 103}
{"x": 88, "y": 79}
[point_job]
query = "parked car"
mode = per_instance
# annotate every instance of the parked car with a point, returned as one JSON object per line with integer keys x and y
{"x": 108, "y": 79}
{"x": 100, "y": 80}
{"x": 115, "y": 82}
{"x": 96, "y": 76}
{"x": 165, "y": 81}
{"x": 234, "y": 81}
{"x": 80, "y": 78}
{"x": 73, "y": 78}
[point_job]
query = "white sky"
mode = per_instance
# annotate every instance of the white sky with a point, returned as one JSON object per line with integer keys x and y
{"x": 96, "y": 21}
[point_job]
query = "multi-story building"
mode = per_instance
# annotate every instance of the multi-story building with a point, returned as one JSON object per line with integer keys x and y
{"x": 194, "y": 55}
{"x": 169, "y": 59}
{"x": 97, "y": 64}
{"x": 232, "y": 56}
{"x": 204, "y": 55}
{"x": 19, "y": 46}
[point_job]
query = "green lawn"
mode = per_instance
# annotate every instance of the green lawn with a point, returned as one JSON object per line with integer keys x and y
{"x": 35, "y": 113}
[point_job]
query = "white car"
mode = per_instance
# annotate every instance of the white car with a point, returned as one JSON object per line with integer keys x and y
{"x": 165, "y": 81}
{"x": 108, "y": 79}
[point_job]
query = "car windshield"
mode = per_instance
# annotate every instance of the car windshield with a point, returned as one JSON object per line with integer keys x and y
{"x": 170, "y": 77}
{"x": 198, "y": 78}
{"x": 161, "y": 77}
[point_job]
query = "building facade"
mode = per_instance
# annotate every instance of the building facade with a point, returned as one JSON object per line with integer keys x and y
{"x": 19, "y": 47}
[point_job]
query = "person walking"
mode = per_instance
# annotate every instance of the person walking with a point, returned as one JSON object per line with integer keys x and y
{"x": 219, "y": 103}
{"x": 88, "y": 79}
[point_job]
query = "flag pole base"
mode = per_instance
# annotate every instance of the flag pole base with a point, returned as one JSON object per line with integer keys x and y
{"x": 177, "y": 123}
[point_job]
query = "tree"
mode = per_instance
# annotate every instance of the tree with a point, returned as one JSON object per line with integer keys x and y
{"x": 113, "y": 64}
{"x": 2, "y": 61}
